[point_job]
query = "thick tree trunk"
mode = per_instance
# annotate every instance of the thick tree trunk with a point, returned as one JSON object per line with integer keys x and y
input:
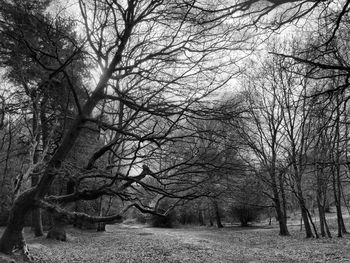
{"x": 25, "y": 202}
{"x": 13, "y": 234}
{"x": 217, "y": 214}
{"x": 37, "y": 225}
{"x": 282, "y": 219}
{"x": 283, "y": 227}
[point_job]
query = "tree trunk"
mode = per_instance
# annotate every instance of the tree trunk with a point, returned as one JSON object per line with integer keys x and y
{"x": 322, "y": 200}
{"x": 200, "y": 217}
{"x": 321, "y": 216}
{"x": 312, "y": 223}
{"x": 279, "y": 207}
{"x": 25, "y": 201}
{"x": 37, "y": 225}
{"x": 305, "y": 217}
{"x": 283, "y": 216}
{"x": 13, "y": 234}
{"x": 341, "y": 226}
{"x": 282, "y": 220}
{"x": 304, "y": 211}
{"x": 101, "y": 226}
{"x": 327, "y": 228}
{"x": 336, "y": 178}
{"x": 337, "y": 199}
{"x": 339, "y": 209}
{"x": 210, "y": 218}
{"x": 217, "y": 214}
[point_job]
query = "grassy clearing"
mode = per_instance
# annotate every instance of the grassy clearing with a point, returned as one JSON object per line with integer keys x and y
{"x": 134, "y": 243}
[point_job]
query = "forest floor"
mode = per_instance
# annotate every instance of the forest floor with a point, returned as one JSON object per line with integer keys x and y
{"x": 138, "y": 243}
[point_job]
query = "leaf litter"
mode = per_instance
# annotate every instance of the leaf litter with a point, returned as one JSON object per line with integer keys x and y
{"x": 141, "y": 244}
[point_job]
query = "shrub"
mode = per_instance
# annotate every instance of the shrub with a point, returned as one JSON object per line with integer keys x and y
{"x": 245, "y": 214}
{"x": 187, "y": 216}
{"x": 141, "y": 218}
{"x": 163, "y": 221}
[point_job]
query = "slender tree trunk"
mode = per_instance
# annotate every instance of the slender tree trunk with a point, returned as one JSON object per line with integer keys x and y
{"x": 270, "y": 215}
{"x": 321, "y": 200}
{"x": 101, "y": 226}
{"x": 200, "y": 217}
{"x": 321, "y": 216}
{"x": 321, "y": 203}
{"x": 283, "y": 220}
{"x": 341, "y": 226}
{"x": 210, "y": 218}
{"x": 336, "y": 177}
{"x": 304, "y": 211}
{"x": 304, "y": 214}
{"x": 327, "y": 228}
{"x": 312, "y": 223}
{"x": 279, "y": 206}
{"x": 339, "y": 208}
{"x": 37, "y": 225}
{"x": 340, "y": 221}
{"x": 210, "y": 221}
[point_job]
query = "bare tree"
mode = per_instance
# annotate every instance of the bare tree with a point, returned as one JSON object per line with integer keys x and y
{"x": 262, "y": 134}
{"x": 156, "y": 63}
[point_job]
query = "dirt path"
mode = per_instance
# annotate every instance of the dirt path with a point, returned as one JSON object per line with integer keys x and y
{"x": 124, "y": 244}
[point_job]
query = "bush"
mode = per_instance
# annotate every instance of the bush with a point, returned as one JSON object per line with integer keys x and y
{"x": 163, "y": 221}
{"x": 141, "y": 218}
{"x": 187, "y": 216}
{"x": 245, "y": 214}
